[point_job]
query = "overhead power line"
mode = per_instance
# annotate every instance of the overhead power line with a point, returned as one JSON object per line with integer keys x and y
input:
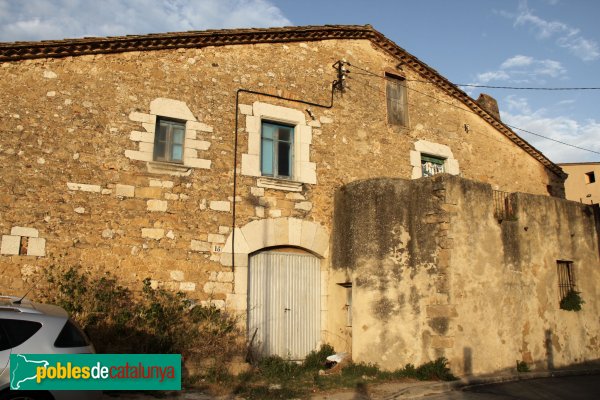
{"x": 471, "y": 111}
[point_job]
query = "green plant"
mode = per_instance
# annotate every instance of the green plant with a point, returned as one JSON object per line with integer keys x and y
{"x": 316, "y": 360}
{"x": 572, "y": 301}
{"x": 153, "y": 320}
{"x": 522, "y": 366}
{"x": 435, "y": 370}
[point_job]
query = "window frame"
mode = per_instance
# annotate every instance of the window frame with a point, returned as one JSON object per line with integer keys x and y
{"x": 428, "y": 158}
{"x": 167, "y": 154}
{"x": 566, "y": 277}
{"x": 399, "y": 81}
{"x": 275, "y": 161}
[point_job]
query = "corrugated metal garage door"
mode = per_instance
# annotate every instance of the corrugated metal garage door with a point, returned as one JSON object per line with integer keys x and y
{"x": 284, "y": 304}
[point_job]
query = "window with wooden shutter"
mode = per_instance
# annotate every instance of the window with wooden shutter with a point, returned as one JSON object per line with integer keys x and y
{"x": 396, "y": 100}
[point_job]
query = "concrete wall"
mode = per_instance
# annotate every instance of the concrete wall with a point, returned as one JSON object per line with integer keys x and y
{"x": 436, "y": 274}
{"x": 76, "y": 146}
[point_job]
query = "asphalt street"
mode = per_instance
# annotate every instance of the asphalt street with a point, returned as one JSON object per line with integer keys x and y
{"x": 568, "y": 387}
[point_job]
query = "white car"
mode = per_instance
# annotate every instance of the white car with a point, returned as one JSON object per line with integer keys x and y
{"x": 34, "y": 328}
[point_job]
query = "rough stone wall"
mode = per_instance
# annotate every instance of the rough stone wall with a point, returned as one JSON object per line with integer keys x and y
{"x": 435, "y": 274}
{"x": 74, "y": 139}
{"x": 505, "y": 282}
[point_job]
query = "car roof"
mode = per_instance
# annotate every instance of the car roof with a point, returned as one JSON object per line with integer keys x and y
{"x": 15, "y": 305}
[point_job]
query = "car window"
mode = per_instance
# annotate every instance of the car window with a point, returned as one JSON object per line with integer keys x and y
{"x": 17, "y": 331}
{"x": 4, "y": 342}
{"x": 71, "y": 336}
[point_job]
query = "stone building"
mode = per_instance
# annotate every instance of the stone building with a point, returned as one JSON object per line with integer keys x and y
{"x": 581, "y": 183}
{"x": 244, "y": 167}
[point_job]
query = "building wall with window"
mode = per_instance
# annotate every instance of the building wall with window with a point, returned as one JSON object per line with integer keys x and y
{"x": 126, "y": 160}
{"x": 582, "y": 184}
{"x": 437, "y": 273}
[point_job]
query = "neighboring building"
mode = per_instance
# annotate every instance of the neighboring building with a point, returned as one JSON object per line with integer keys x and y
{"x": 581, "y": 184}
{"x": 217, "y": 163}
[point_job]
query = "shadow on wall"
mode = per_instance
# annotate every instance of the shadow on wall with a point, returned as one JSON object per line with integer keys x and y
{"x": 549, "y": 350}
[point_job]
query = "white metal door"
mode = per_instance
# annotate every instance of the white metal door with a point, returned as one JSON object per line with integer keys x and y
{"x": 284, "y": 304}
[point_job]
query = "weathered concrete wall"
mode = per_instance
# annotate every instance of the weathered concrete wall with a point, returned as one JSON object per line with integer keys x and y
{"x": 75, "y": 135}
{"x": 435, "y": 274}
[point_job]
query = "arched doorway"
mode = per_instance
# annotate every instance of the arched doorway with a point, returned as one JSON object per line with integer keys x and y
{"x": 284, "y": 302}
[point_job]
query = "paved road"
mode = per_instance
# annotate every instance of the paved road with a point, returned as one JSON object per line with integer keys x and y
{"x": 569, "y": 387}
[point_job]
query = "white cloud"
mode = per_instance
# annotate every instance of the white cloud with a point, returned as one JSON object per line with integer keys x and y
{"x": 58, "y": 19}
{"x": 517, "y": 61}
{"x": 565, "y": 35}
{"x": 524, "y": 70}
{"x": 557, "y": 127}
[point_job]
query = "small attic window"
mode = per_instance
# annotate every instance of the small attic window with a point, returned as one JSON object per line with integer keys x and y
{"x": 590, "y": 177}
{"x": 396, "y": 100}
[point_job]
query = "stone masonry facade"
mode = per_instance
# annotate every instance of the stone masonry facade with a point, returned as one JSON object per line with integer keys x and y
{"x": 80, "y": 185}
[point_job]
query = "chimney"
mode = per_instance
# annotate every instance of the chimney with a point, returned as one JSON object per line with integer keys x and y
{"x": 489, "y": 104}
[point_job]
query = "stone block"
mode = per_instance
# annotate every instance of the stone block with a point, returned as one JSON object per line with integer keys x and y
{"x": 36, "y": 247}
{"x": 294, "y": 196}
{"x": 241, "y": 246}
{"x": 304, "y": 205}
{"x": 138, "y": 155}
{"x": 237, "y": 302}
{"x": 256, "y": 191}
{"x": 153, "y": 233}
{"x": 124, "y": 190}
{"x": 199, "y": 126}
{"x": 251, "y": 165}
{"x": 190, "y": 153}
{"x": 171, "y": 108}
{"x": 274, "y": 213}
{"x": 149, "y": 192}
{"x": 218, "y": 288}
{"x": 23, "y": 231}
{"x": 245, "y": 109}
{"x": 187, "y": 286}
{"x": 253, "y": 125}
{"x": 259, "y": 211}
{"x": 214, "y": 238}
{"x": 79, "y": 210}
{"x": 224, "y": 276}
{"x": 145, "y": 147}
{"x": 199, "y": 245}
{"x": 309, "y": 229}
{"x": 84, "y": 187}
{"x": 197, "y": 144}
{"x": 240, "y": 280}
{"x": 326, "y": 120}
{"x": 295, "y": 231}
{"x": 197, "y": 163}
{"x": 241, "y": 260}
{"x": 223, "y": 230}
{"x": 142, "y": 117}
{"x": 224, "y": 206}
{"x": 190, "y": 134}
{"x": 320, "y": 243}
{"x": 177, "y": 275}
{"x": 308, "y": 172}
{"x": 279, "y": 113}
{"x": 10, "y": 245}
{"x": 146, "y": 137}
{"x": 156, "y": 205}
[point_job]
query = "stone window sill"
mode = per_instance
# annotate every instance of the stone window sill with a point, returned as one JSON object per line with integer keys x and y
{"x": 158, "y": 167}
{"x": 279, "y": 184}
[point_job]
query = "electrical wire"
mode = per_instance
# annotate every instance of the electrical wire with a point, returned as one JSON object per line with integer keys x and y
{"x": 367, "y": 72}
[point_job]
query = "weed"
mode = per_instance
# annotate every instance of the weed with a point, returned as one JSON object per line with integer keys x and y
{"x": 572, "y": 301}
{"x": 522, "y": 366}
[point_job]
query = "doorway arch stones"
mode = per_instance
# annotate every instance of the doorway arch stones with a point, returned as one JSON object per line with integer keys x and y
{"x": 264, "y": 233}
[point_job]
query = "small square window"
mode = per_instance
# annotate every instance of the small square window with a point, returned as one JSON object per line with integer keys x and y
{"x": 566, "y": 278}
{"x": 277, "y": 149}
{"x": 590, "y": 177}
{"x": 168, "y": 140}
{"x": 431, "y": 165}
{"x": 396, "y": 100}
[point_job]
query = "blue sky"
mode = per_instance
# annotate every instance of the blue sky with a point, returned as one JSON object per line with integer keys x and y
{"x": 541, "y": 43}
